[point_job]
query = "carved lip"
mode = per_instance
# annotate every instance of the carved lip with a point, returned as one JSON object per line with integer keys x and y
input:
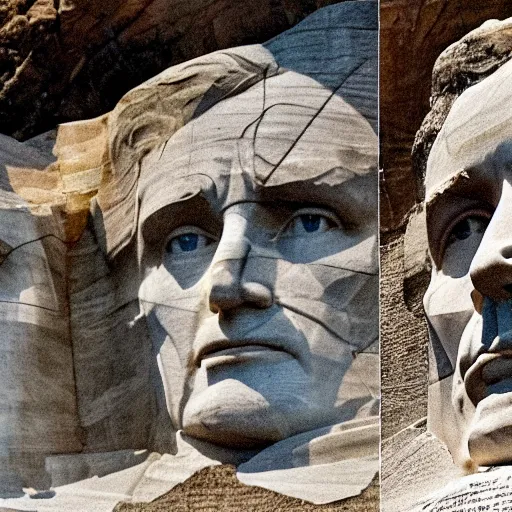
{"x": 489, "y": 369}
{"x": 239, "y": 349}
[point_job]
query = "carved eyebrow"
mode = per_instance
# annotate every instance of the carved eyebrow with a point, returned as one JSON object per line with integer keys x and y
{"x": 195, "y": 209}
{"x": 459, "y": 184}
{"x": 489, "y": 167}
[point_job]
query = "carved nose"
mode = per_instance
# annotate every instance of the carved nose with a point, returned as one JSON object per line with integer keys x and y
{"x": 228, "y": 291}
{"x": 228, "y": 288}
{"x": 491, "y": 268}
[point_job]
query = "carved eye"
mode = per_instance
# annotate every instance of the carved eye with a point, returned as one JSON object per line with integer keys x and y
{"x": 467, "y": 227}
{"x": 188, "y": 239}
{"x": 310, "y": 220}
{"x": 462, "y": 243}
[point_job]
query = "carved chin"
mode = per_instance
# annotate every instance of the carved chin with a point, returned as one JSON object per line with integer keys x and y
{"x": 233, "y": 415}
{"x": 490, "y": 433}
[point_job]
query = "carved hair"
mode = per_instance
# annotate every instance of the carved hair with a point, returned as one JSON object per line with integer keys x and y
{"x": 150, "y": 114}
{"x": 463, "y": 64}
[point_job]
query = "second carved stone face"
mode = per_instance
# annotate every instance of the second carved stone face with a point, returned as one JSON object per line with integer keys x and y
{"x": 258, "y": 224}
{"x": 469, "y": 198}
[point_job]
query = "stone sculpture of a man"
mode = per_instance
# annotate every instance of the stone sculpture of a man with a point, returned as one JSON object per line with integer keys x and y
{"x": 462, "y": 154}
{"x": 250, "y": 179}
{"x": 467, "y": 300}
{"x": 244, "y": 185}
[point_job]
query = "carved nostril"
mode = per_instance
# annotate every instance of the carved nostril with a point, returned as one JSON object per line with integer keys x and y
{"x": 224, "y": 298}
{"x": 225, "y": 290}
{"x": 257, "y": 295}
{"x": 506, "y": 252}
{"x": 228, "y": 291}
{"x": 478, "y": 301}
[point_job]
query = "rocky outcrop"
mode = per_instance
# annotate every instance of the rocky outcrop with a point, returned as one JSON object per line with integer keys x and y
{"x": 63, "y": 60}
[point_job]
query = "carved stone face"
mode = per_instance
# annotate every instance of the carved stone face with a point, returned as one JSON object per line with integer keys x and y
{"x": 468, "y": 303}
{"x": 258, "y": 224}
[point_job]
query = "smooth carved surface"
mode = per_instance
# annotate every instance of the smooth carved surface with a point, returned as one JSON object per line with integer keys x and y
{"x": 266, "y": 273}
{"x": 472, "y": 330}
{"x": 465, "y": 63}
{"x": 231, "y": 198}
{"x": 413, "y": 34}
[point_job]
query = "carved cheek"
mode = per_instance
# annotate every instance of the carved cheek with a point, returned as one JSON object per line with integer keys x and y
{"x": 448, "y": 307}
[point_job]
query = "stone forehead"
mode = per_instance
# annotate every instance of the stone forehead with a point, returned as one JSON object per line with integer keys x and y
{"x": 478, "y": 122}
{"x": 286, "y": 105}
{"x": 150, "y": 114}
{"x": 284, "y": 115}
{"x": 285, "y": 130}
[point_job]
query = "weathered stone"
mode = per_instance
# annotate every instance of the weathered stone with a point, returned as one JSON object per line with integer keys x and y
{"x": 76, "y": 60}
{"x": 262, "y": 350}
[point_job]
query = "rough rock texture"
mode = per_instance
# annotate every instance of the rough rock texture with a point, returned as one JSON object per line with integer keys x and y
{"x": 413, "y": 34}
{"x": 418, "y": 465}
{"x": 216, "y": 488}
{"x": 403, "y": 347}
{"x": 63, "y": 60}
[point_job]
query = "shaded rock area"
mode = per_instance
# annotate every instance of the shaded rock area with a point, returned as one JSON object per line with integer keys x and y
{"x": 403, "y": 334}
{"x": 64, "y": 60}
{"x": 217, "y": 488}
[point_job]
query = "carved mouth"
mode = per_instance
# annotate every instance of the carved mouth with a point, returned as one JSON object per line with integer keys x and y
{"x": 491, "y": 373}
{"x": 238, "y": 351}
